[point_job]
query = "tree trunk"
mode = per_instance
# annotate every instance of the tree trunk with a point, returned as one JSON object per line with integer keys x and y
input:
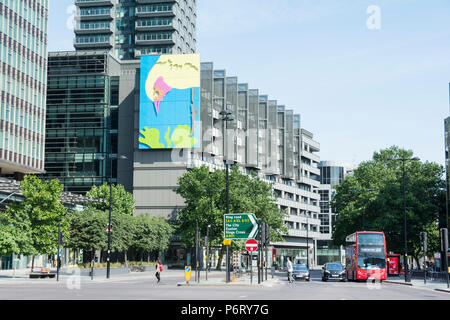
{"x": 417, "y": 262}
{"x": 142, "y": 257}
{"x": 32, "y": 263}
{"x": 125, "y": 258}
{"x": 0, "y": 262}
{"x": 219, "y": 262}
{"x": 148, "y": 257}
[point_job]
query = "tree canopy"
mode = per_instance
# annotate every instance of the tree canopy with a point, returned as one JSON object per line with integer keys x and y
{"x": 122, "y": 201}
{"x": 205, "y": 197}
{"x": 383, "y": 207}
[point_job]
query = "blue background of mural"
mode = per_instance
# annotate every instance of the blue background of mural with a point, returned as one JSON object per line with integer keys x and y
{"x": 174, "y": 110}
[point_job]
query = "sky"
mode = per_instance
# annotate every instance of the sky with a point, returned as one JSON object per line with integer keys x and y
{"x": 364, "y": 75}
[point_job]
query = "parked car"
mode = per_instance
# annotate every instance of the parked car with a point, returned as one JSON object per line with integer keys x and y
{"x": 333, "y": 270}
{"x": 301, "y": 272}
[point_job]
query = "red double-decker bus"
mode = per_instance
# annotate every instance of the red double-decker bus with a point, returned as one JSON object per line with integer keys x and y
{"x": 365, "y": 256}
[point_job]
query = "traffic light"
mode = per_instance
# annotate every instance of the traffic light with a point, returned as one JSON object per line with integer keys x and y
{"x": 263, "y": 233}
{"x": 267, "y": 233}
{"x": 424, "y": 240}
{"x": 444, "y": 240}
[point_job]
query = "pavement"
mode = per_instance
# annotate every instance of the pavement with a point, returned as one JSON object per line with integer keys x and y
{"x": 419, "y": 283}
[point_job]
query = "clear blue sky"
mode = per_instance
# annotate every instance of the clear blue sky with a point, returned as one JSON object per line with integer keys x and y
{"x": 358, "y": 90}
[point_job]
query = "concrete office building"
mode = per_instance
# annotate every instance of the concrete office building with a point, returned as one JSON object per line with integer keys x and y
{"x": 266, "y": 138}
{"x": 23, "y": 65}
{"x": 133, "y": 28}
{"x": 332, "y": 173}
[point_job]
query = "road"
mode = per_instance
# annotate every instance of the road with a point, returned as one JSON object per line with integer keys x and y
{"x": 143, "y": 286}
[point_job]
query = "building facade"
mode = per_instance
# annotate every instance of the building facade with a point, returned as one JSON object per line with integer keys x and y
{"x": 132, "y": 28}
{"x": 82, "y": 119}
{"x": 265, "y": 138}
{"x": 332, "y": 173}
{"x": 23, "y": 78}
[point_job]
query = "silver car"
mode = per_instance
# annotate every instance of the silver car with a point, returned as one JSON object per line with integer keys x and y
{"x": 301, "y": 272}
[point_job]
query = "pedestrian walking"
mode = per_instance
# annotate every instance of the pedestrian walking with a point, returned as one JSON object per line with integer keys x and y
{"x": 290, "y": 269}
{"x": 159, "y": 269}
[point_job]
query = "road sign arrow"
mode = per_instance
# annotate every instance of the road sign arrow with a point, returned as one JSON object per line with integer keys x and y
{"x": 255, "y": 227}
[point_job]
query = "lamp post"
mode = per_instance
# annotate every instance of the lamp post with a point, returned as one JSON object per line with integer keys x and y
{"x": 207, "y": 242}
{"x": 226, "y": 116}
{"x": 364, "y": 212}
{"x": 405, "y": 257}
{"x": 108, "y": 254}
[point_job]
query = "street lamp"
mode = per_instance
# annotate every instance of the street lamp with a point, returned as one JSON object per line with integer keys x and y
{"x": 226, "y": 116}
{"x": 405, "y": 258}
{"x": 122, "y": 157}
{"x": 364, "y": 211}
{"x": 208, "y": 242}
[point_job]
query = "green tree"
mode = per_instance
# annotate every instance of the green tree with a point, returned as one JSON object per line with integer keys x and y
{"x": 87, "y": 230}
{"x": 8, "y": 244}
{"x": 37, "y": 216}
{"x": 122, "y": 201}
{"x": 247, "y": 194}
{"x": 151, "y": 234}
{"x": 383, "y": 208}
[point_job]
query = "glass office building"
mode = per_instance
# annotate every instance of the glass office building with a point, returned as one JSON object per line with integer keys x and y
{"x": 131, "y": 28}
{"x": 23, "y": 66}
{"x": 332, "y": 173}
{"x": 82, "y": 106}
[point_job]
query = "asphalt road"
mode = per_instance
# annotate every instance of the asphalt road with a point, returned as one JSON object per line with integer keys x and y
{"x": 143, "y": 286}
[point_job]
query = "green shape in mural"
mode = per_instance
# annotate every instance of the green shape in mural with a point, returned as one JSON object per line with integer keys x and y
{"x": 167, "y": 137}
{"x": 182, "y": 137}
{"x": 151, "y": 138}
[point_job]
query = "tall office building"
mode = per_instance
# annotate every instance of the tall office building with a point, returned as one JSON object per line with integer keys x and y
{"x": 23, "y": 56}
{"x": 332, "y": 173}
{"x": 133, "y": 28}
{"x": 82, "y": 119}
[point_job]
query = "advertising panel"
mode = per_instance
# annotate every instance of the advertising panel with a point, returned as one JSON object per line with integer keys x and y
{"x": 169, "y": 116}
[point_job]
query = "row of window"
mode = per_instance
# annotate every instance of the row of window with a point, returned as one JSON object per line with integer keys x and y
{"x": 27, "y": 12}
{"x": 21, "y": 118}
{"x": 22, "y": 36}
{"x": 154, "y": 22}
{"x": 21, "y": 146}
{"x": 94, "y": 11}
{"x": 95, "y": 25}
{"x": 23, "y": 64}
{"x": 21, "y": 90}
{"x": 154, "y": 36}
{"x": 100, "y": 38}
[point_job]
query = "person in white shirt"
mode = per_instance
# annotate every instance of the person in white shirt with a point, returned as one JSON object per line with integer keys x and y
{"x": 290, "y": 269}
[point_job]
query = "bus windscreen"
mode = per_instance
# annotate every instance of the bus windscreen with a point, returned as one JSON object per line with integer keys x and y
{"x": 371, "y": 253}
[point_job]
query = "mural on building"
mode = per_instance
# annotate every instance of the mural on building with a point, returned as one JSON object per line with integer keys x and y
{"x": 169, "y": 114}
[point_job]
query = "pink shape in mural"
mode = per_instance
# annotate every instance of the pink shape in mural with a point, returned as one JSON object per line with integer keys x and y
{"x": 161, "y": 90}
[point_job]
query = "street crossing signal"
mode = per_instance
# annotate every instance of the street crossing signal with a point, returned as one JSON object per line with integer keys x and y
{"x": 444, "y": 240}
{"x": 424, "y": 240}
{"x": 263, "y": 233}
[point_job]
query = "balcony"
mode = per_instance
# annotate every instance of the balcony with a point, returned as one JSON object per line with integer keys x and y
{"x": 153, "y": 26}
{"x": 93, "y": 3}
{"x": 93, "y": 42}
{"x": 94, "y": 29}
{"x": 153, "y": 1}
{"x": 154, "y": 41}
{"x": 95, "y": 15}
{"x": 141, "y": 12}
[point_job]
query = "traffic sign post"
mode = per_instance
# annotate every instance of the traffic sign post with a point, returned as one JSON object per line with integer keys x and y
{"x": 240, "y": 226}
{"x": 251, "y": 245}
{"x": 187, "y": 274}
